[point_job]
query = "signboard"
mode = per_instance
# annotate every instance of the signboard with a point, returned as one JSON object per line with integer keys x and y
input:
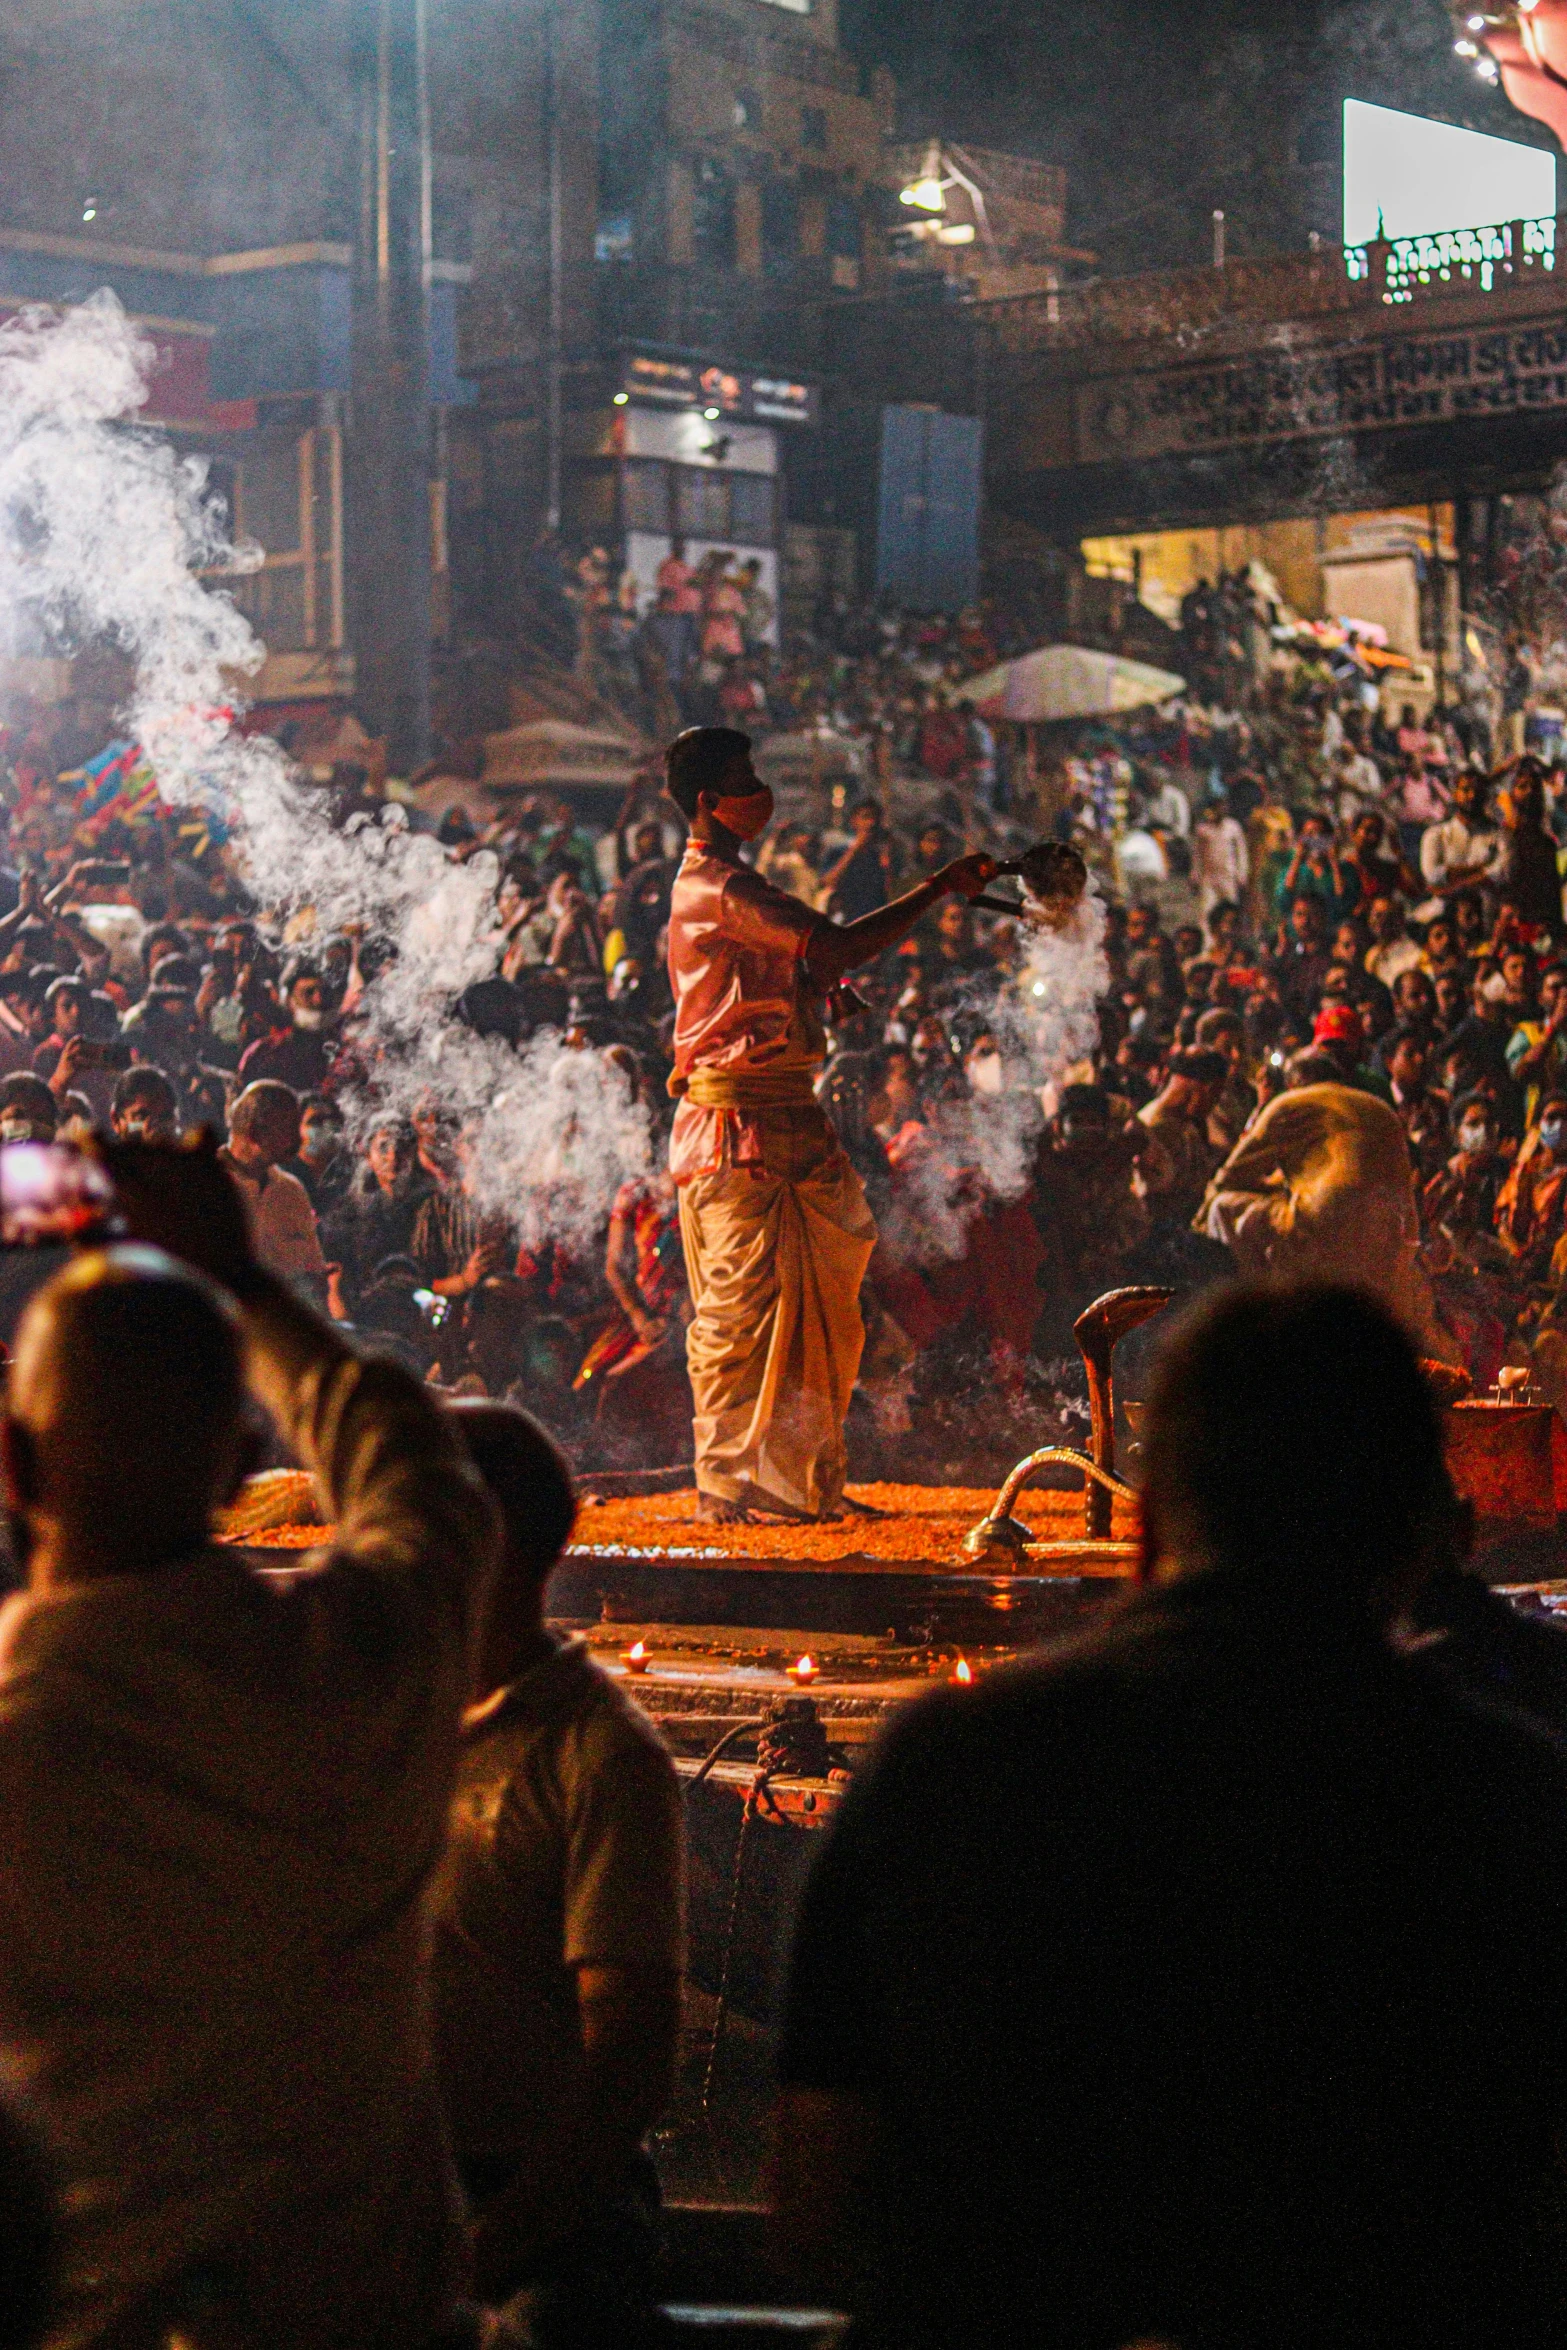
{"x": 733, "y": 391}
{"x": 179, "y": 385}
{"x": 1405, "y": 176}
{"x": 1292, "y": 394}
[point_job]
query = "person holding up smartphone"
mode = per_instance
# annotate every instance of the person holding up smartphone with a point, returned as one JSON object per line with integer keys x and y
{"x": 70, "y": 1060}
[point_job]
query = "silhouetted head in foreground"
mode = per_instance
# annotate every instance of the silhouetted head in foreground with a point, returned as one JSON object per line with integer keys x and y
{"x": 126, "y": 1422}
{"x": 1291, "y": 1439}
{"x": 527, "y": 1474}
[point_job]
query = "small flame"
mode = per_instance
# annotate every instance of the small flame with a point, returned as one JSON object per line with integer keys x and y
{"x": 805, "y": 1669}
{"x": 637, "y": 1657}
{"x": 963, "y": 1671}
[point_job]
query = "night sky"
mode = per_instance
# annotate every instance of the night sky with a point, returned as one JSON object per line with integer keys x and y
{"x": 1161, "y": 109}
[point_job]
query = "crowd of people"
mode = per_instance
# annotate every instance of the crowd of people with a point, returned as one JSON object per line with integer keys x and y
{"x": 308, "y": 1879}
{"x": 1297, "y": 892}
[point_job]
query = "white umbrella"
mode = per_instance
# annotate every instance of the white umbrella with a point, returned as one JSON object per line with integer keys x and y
{"x": 1068, "y": 681}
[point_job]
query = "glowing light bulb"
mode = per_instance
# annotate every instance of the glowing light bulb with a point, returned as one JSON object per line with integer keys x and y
{"x": 621, "y": 399}
{"x": 1486, "y": 69}
{"x": 1465, "y": 49}
{"x": 712, "y": 414}
{"x": 89, "y": 212}
{"x": 926, "y": 193}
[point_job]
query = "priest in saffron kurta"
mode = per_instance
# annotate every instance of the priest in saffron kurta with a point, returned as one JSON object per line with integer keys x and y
{"x": 776, "y": 1230}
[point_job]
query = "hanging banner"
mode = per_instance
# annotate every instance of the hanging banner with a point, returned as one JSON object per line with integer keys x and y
{"x": 1286, "y": 393}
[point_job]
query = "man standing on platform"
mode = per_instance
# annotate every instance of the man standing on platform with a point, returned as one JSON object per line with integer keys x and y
{"x": 777, "y": 1233}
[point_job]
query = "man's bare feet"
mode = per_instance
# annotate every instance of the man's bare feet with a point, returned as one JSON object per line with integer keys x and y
{"x": 713, "y": 1510}
{"x": 756, "y": 1508}
{"x": 767, "y": 1505}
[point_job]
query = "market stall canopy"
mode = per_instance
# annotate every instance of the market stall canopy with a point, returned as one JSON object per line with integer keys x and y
{"x": 552, "y": 753}
{"x": 1068, "y": 681}
{"x": 808, "y": 755}
{"x": 591, "y": 766}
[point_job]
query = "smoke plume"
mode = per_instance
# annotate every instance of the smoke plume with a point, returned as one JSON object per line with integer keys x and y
{"x": 1044, "y": 1023}
{"x": 108, "y": 536}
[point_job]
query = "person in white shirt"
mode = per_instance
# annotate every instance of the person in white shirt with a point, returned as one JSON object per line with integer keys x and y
{"x": 1463, "y": 849}
{"x": 1221, "y": 865}
{"x": 263, "y": 1131}
{"x": 1357, "y": 784}
{"x": 1392, "y": 950}
{"x": 1169, "y": 810}
{"x": 1332, "y": 738}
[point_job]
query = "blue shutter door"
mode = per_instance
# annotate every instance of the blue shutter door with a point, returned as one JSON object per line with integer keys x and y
{"x": 900, "y": 534}
{"x": 927, "y": 544}
{"x": 955, "y": 463}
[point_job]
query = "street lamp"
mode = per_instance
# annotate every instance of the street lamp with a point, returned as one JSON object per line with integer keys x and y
{"x": 927, "y": 193}
{"x": 943, "y": 169}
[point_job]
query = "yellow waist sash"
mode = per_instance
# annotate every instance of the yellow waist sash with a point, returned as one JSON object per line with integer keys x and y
{"x": 747, "y": 1089}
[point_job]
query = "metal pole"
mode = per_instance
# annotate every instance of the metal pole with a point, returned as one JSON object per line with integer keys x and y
{"x": 389, "y": 416}
{"x": 553, "y": 359}
{"x": 1438, "y": 602}
{"x": 1218, "y": 238}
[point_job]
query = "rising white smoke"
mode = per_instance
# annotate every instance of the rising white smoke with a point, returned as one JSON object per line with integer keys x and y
{"x": 986, "y": 1148}
{"x": 105, "y": 535}
{"x": 1066, "y": 975}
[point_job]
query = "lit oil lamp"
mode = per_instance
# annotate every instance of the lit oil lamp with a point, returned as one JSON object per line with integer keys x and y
{"x": 804, "y": 1671}
{"x": 963, "y": 1672}
{"x": 637, "y": 1658}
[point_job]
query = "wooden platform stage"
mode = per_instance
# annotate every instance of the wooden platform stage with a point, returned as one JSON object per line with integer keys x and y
{"x": 649, "y": 1559}
{"x": 653, "y": 1558}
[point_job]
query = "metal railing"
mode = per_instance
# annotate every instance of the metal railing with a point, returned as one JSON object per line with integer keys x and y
{"x": 1478, "y": 259}
{"x": 1181, "y": 306}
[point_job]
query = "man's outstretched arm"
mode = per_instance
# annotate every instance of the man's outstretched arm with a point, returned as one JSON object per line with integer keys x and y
{"x": 833, "y": 951}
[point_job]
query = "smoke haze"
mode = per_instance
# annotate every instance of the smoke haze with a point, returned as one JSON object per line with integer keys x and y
{"x": 105, "y": 535}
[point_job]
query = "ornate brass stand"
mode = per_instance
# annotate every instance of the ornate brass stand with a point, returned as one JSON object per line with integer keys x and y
{"x": 1002, "y": 1540}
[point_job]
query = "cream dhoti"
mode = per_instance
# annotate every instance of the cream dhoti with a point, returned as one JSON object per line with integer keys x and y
{"x": 775, "y": 1256}
{"x": 776, "y": 1229}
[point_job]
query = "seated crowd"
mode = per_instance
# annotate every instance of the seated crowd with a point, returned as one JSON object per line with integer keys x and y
{"x": 1337, "y": 940}
{"x": 1195, "y": 1986}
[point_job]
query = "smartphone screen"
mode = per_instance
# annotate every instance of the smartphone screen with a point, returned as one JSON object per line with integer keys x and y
{"x": 52, "y": 1194}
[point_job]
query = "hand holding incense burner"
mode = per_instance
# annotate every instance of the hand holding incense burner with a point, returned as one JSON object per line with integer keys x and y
{"x": 1055, "y": 880}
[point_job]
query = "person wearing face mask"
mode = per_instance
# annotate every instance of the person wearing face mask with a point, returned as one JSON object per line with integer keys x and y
{"x": 984, "y": 1068}
{"x": 300, "y": 1054}
{"x": 1531, "y": 1207}
{"x": 776, "y": 1229}
{"x": 28, "y": 1110}
{"x": 1461, "y": 1200}
{"x": 145, "y": 1107}
{"x": 321, "y": 1163}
